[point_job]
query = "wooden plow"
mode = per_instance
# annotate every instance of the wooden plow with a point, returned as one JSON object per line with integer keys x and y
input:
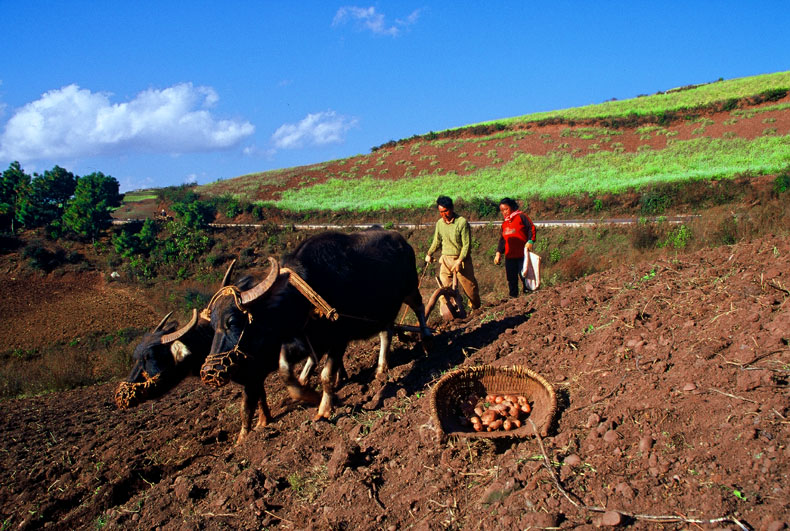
{"x": 451, "y": 305}
{"x": 452, "y": 308}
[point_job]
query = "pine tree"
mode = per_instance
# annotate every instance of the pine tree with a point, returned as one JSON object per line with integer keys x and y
{"x": 88, "y": 213}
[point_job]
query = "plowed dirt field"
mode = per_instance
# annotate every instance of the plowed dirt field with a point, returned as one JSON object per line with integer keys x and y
{"x": 672, "y": 378}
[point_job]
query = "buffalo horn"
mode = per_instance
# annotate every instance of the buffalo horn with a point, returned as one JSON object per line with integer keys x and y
{"x": 162, "y": 322}
{"x": 226, "y": 278}
{"x": 169, "y": 338}
{"x": 262, "y": 287}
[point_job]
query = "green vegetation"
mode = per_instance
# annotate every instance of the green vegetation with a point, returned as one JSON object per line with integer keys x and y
{"x": 139, "y": 195}
{"x": 782, "y": 183}
{"x": 151, "y": 249}
{"x": 88, "y": 212}
{"x": 559, "y": 173}
{"x": 556, "y": 175}
{"x": 99, "y": 357}
{"x": 58, "y": 200}
{"x": 766, "y": 87}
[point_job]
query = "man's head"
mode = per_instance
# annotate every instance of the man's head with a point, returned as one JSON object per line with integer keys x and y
{"x": 445, "y": 206}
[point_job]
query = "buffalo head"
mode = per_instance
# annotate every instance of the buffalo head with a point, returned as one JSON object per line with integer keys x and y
{"x": 162, "y": 358}
{"x": 230, "y": 313}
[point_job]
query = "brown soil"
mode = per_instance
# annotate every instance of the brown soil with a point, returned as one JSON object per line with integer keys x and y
{"x": 41, "y": 311}
{"x": 672, "y": 378}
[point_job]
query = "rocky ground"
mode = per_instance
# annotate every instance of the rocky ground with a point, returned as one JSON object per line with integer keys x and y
{"x": 672, "y": 378}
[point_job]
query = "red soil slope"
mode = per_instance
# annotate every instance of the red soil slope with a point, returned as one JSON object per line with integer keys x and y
{"x": 466, "y": 154}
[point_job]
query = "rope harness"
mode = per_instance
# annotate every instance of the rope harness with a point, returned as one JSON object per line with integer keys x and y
{"x": 218, "y": 368}
{"x": 130, "y": 394}
{"x": 320, "y": 306}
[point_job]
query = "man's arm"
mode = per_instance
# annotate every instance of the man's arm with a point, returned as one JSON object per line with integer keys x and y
{"x": 434, "y": 244}
{"x": 466, "y": 239}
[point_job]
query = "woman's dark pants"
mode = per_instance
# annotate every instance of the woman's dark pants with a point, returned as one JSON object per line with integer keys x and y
{"x": 515, "y": 282}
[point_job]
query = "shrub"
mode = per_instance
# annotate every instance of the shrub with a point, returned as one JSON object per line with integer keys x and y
{"x": 782, "y": 183}
{"x": 135, "y": 239}
{"x": 193, "y": 212}
{"x": 175, "y": 194}
{"x": 46, "y": 260}
{"x": 258, "y": 211}
{"x": 484, "y": 207}
{"x": 677, "y": 238}
{"x": 654, "y": 201}
{"x": 194, "y": 299}
{"x": 597, "y": 205}
{"x": 228, "y": 205}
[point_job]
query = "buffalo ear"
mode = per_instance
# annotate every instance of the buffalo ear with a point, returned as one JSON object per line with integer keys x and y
{"x": 179, "y": 351}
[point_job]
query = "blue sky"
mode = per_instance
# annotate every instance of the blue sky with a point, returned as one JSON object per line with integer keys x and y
{"x": 163, "y": 93}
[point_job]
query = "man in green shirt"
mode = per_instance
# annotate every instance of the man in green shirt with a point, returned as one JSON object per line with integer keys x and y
{"x": 454, "y": 236}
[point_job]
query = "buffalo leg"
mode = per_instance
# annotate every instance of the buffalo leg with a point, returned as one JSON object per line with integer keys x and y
{"x": 249, "y": 399}
{"x": 385, "y": 336}
{"x": 414, "y": 301}
{"x": 264, "y": 414}
{"x": 334, "y": 360}
{"x": 296, "y": 389}
{"x": 306, "y": 370}
{"x": 312, "y": 359}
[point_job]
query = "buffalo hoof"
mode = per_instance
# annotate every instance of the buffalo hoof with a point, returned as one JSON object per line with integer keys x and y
{"x": 304, "y": 394}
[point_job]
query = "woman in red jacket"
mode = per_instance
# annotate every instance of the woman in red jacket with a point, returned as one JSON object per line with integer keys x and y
{"x": 518, "y": 235}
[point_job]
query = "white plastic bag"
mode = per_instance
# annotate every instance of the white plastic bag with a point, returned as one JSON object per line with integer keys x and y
{"x": 531, "y": 271}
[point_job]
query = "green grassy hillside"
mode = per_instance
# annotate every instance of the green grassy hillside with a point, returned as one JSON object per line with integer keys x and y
{"x": 723, "y": 93}
{"x": 713, "y": 131}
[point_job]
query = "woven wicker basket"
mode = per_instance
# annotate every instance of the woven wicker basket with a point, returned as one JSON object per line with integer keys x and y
{"x": 458, "y": 386}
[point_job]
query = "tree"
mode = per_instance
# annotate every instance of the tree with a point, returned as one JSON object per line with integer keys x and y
{"x": 13, "y": 186}
{"x": 45, "y": 199}
{"x": 130, "y": 243}
{"x": 88, "y": 212}
{"x": 194, "y": 213}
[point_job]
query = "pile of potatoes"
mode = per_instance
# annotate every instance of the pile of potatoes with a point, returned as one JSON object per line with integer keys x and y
{"x": 495, "y": 412}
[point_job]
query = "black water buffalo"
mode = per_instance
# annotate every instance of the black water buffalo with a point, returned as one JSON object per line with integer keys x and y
{"x": 332, "y": 289}
{"x": 163, "y": 358}
{"x": 166, "y": 355}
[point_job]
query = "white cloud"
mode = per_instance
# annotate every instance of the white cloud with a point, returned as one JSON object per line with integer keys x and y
{"x": 75, "y": 122}
{"x": 316, "y": 129}
{"x": 368, "y": 18}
